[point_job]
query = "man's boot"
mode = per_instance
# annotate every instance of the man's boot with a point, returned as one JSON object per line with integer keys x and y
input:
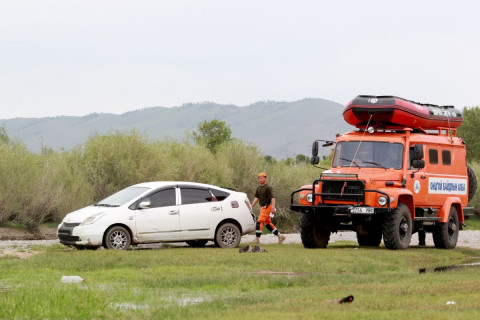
{"x": 281, "y": 238}
{"x": 257, "y": 240}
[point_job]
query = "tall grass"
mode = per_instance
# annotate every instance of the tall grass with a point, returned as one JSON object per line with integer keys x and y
{"x": 38, "y": 188}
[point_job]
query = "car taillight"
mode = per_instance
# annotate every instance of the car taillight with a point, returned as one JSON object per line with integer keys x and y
{"x": 248, "y": 205}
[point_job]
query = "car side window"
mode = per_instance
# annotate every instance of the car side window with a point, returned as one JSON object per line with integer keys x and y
{"x": 433, "y": 156}
{"x": 219, "y": 195}
{"x": 162, "y": 198}
{"x": 195, "y": 195}
{"x": 446, "y": 159}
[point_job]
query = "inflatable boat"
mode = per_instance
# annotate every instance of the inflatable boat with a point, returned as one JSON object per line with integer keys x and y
{"x": 388, "y": 111}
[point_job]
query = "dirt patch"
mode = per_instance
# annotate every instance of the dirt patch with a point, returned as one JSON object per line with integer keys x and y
{"x": 18, "y": 254}
{"x": 42, "y": 233}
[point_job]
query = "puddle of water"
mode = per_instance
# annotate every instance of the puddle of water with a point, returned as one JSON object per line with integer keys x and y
{"x": 188, "y": 301}
{"x": 450, "y": 268}
{"x": 127, "y": 306}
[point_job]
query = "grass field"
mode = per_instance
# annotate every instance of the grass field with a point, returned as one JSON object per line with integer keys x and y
{"x": 287, "y": 282}
{"x": 473, "y": 223}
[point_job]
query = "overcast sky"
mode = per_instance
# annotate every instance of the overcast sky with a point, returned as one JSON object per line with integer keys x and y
{"x": 63, "y": 57}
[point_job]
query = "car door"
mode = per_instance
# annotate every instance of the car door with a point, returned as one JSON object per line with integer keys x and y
{"x": 199, "y": 212}
{"x": 159, "y": 221}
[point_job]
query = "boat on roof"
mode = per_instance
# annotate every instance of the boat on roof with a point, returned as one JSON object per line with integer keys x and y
{"x": 391, "y": 111}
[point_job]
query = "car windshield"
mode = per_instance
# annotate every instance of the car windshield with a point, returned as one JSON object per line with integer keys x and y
{"x": 121, "y": 197}
{"x": 368, "y": 154}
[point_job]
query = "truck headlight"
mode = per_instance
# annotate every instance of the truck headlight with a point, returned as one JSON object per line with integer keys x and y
{"x": 382, "y": 201}
{"x": 309, "y": 197}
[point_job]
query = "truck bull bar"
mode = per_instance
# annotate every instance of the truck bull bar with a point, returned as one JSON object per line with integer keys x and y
{"x": 339, "y": 196}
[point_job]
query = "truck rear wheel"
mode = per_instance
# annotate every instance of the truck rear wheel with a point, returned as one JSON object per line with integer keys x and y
{"x": 369, "y": 234}
{"x": 397, "y": 228}
{"x": 445, "y": 234}
{"x": 472, "y": 183}
{"x": 314, "y": 235}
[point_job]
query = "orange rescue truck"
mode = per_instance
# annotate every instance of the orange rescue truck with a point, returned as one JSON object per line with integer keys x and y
{"x": 403, "y": 171}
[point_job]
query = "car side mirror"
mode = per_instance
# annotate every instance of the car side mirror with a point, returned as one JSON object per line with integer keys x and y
{"x": 315, "y": 149}
{"x": 419, "y": 164}
{"x": 144, "y": 205}
{"x": 315, "y": 160}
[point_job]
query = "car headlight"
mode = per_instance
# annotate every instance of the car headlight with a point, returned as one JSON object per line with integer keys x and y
{"x": 92, "y": 219}
{"x": 382, "y": 200}
{"x": 309, "y": 197}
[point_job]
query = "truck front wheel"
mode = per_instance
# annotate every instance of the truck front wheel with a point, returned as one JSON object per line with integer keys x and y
{"x": 397, "y": 228}
{"x": 314, "y": 234}
{"x": 445, "y": 234}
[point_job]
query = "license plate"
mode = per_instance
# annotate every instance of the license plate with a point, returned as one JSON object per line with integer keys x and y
{"x": 362, "y": 210}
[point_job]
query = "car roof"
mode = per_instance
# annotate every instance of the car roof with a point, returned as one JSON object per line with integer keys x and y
{"x": 160, "y": 184}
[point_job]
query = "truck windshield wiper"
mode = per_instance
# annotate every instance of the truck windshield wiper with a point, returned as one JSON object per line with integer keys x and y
{"x": 375, "y": 163}
{"x": 352, "y": 161}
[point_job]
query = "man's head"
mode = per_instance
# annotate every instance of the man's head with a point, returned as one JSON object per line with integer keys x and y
{"x": 262, "y": 178}
{"x": 364, "y": 153}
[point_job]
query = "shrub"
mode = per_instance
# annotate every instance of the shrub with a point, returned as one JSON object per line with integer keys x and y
{"x": 475, "y": 202}
{"x": 113, "y": 162}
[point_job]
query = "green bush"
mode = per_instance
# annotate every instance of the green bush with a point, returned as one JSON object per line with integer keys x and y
{"x": 113, "y": 162}
{"x": 38, "y": 188}
{"x": 29, "y": 194}
{"x": 475, "y": 202}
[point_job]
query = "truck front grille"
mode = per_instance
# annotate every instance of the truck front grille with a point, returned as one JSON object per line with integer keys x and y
{"x": 343, "y": 190}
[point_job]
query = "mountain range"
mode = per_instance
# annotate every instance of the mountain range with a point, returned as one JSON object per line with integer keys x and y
{"x": 279, "y": 129}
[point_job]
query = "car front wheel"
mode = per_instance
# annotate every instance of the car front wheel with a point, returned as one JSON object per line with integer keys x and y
{"x": 117, "y": 238}
{"x": 228, "y": 236}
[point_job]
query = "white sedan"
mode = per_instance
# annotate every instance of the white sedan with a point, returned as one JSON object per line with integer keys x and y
{"x": 161, "y": 212}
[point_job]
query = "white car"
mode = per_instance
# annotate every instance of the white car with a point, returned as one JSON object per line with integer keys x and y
{"x": 161, "y": 212}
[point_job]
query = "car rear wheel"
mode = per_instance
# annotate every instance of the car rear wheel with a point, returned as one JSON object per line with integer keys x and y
{"x": 117, "y": 238}
{"x": 228, "y": 236}
{"x": 445, "y": 234}
{"x": 197, "y": 243}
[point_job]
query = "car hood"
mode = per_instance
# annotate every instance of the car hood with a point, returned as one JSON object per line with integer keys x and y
{"x": 82, "y": 214}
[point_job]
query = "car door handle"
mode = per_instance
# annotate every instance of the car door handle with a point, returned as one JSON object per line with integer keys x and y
{"x": 172, "y": 212}
{"x": 215, "y": 208}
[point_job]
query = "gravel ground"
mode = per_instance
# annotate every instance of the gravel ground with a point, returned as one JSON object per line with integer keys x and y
{"x": 466, "y": 238}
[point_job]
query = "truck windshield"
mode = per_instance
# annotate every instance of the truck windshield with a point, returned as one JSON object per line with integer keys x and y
{"x": 368, "y": 154}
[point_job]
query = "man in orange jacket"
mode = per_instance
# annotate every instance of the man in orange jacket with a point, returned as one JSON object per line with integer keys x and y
{"x": 264, "y": 195}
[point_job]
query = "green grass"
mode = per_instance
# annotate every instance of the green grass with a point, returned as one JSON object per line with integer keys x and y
{"x": 212, "y": 283}
{"x": 473, "y": 223}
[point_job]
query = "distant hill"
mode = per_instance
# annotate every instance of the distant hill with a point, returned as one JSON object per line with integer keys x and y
{"x": 280, "y": 129}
